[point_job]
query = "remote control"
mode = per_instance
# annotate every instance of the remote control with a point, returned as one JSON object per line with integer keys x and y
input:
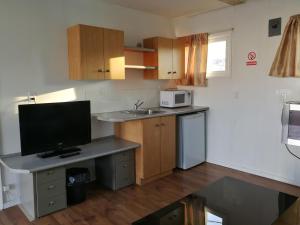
{"x": 69, "y": 154}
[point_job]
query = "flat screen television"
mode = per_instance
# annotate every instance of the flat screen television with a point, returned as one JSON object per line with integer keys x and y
{"x": 54, "y": 127}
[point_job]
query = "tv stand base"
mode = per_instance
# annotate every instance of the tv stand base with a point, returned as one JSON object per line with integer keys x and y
{"x": 59, "y": 152}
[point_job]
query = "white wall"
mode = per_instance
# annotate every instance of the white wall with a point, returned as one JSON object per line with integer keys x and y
{"x": 33, "y": 58}
{"x": 244, "y": 120}
{"x": 244, "y": 127}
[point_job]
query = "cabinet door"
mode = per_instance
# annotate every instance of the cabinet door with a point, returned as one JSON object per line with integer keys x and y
{"x": 85, "y": 50}
{"x": 168, "y": 143}
{"x": 151, "y": 147}
{"x": 178, "y": 58}
{"x": 165, "y": 52}
{"x": 114, "y": 54}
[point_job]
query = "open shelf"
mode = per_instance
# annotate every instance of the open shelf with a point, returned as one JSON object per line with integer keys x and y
{"x": 134, "y": 58}
{"x": 137, "y": 49}
{"x": 140, "y": 67}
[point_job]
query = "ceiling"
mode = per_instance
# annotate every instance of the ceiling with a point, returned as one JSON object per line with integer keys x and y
{"x": 173, "y": 8}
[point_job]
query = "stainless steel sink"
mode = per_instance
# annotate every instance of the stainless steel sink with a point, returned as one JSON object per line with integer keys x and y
{"x": 144, "y": 111}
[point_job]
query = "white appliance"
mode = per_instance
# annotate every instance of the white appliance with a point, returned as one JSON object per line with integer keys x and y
{"x": 175, "y": 98}
{"x": 291, "y": 123}
{"x": 191, "y": 149}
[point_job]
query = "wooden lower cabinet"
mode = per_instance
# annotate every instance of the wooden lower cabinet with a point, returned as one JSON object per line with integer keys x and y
{"x": 157, "y": 155}
{"x": 168, "y": 144}
{"x": 151, "y": 151}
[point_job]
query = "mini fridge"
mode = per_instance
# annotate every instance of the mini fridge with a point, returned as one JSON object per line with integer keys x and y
{"x": 191, "y": 146}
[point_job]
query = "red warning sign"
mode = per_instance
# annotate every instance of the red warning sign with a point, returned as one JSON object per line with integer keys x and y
{"x": 252, "y": 59}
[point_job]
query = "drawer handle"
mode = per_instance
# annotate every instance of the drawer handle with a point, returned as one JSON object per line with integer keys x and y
{"x": 174, "y": 72}
{"x": 169, "y": 72}
{"x": 107, "y": 71}
{"x": 162, "y": 124}
{"x": 51, "y": 203}
{"x": 100, "y": 70}
{"x": 50, "y": 187}
{"x": 50, "y": 172}
{"x": 157, "y": 125}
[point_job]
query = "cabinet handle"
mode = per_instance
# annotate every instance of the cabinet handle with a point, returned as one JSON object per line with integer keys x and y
{"x": 51, "y": 203}
{"x": 157, "y": 125}
{"x": 174, "y": 72}
{"x": 162, "y": 124}
{"x": 169, "y": 72}
{"x": 100, "y": 70}
{"x": 50, "y": 172}
{"x": 107, "y": 71}
{"x": 50, "y": 187}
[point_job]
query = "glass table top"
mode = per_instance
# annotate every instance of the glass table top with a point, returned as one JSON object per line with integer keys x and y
{"x": 229, "y": 201}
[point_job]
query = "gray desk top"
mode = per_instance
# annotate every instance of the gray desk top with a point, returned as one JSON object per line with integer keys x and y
{"x": 101, "y": 147}
{"x": 121, "y": 116}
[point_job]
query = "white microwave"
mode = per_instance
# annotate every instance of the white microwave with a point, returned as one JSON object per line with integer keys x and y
{"x": 290, "y": 120}
{"x": 175, "y": 98}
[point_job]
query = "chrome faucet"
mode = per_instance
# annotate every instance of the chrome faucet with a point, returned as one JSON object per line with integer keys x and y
{"x": 138, "y": 104}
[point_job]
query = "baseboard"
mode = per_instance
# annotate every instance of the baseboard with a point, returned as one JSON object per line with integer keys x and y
{"x": 29, "y": 217}
{"x": 142, "y": 181}
{"x": 257, "y": 172}
{"x": 9, "y": 204}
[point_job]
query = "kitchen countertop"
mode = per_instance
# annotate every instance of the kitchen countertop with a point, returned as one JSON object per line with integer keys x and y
{"x": 122, "y": 116}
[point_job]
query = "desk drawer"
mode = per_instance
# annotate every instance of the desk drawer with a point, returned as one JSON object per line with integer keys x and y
{"x": 123, "y": 156}
{"x": 116, "y": 171}
{"x": 51, "y": 188}
{"x": 124, "y": 174}
{"x": 50, "y": 175}
{"x": 51, "y": 204}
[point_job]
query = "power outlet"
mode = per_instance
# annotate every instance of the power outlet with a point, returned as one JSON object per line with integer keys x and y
{"x": 274, "y": 27}
{"x": 6, "y": 188}
{"x": 31, "y": 97}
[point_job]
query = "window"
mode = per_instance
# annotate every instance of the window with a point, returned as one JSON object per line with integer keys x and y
{"x": 219, "y": 55}
{"x": 213, "y": 218}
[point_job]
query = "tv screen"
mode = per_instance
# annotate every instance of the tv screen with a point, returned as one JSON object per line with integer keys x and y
{"x": 53, "y": 126}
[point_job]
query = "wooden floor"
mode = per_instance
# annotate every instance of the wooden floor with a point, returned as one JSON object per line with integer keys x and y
{"x": 130, "y": 204}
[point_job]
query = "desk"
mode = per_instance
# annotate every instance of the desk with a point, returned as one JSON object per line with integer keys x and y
{"x": 42, "y": 180}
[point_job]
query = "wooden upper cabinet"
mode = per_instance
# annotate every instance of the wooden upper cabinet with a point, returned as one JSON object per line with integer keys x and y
{"x": 95, "y": 53}
{"x": 114, "y": 54}
{"x": 165, "y": 47}
{"x": 85, "y": 53}
{"x": 178, "y": 62}
{"x": 168, "y": 58}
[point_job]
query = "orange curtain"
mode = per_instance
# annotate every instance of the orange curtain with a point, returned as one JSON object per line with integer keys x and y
{"x": 287, "y": 60}
{"x": 196, "y": 49}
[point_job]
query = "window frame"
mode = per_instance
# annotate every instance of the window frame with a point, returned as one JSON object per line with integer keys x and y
{"x": 223, "y": 36}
